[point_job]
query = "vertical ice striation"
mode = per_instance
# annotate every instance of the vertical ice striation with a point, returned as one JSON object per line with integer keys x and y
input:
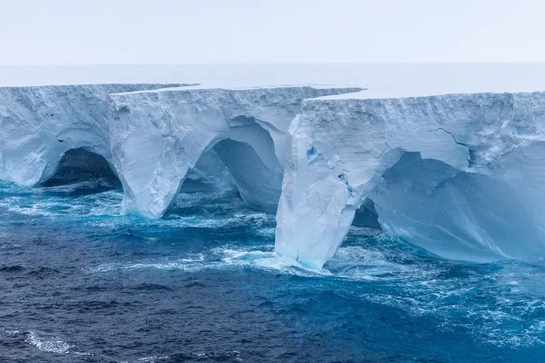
{"x": 459, "y": 175}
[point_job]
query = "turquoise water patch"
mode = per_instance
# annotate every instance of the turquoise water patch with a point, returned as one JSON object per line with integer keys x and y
{"x": 204, "y": 284}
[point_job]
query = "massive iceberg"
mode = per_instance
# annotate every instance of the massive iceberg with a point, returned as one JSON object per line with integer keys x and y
{"x": 159, "y": 136}
{"x": 40, "y": 124}
{"x": 462, "y": 176}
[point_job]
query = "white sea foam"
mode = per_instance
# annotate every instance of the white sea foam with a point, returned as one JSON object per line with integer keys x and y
{"x": 48, "y": 344}
{"x": 351, "y": 263}
{"x": 151, "y": 359}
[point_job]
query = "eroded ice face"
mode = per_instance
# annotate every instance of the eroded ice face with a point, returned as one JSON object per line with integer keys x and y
{"x": 158, "y": 136}
{"x": 459, "y": 175}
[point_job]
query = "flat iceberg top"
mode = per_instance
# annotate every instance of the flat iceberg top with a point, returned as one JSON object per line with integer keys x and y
{"x": 382, "y": 80}
{"x": 113, "y": 87}
{"x": 212, "y": 88}
{"x": 370, "y": 94}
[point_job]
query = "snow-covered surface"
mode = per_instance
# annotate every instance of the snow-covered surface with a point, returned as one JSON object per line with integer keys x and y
{"x": 382, "y": 80}
{"x": 478, "y": 196}
{"x": 159, "y": 136}
{"x": 39, "y": 124}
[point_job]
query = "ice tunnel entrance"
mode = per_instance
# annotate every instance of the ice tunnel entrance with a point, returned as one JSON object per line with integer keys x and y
{"x": 257, "y": 184}
{"x": 456, "y": 214}
{"x": 210, "y": 175}
{"x": 238, "y": 164}
{"x": 453, "y": 213}
{"x": 366, "y": 216}
{"x": 80, "y": 165}
{"x": 244, "y": 154}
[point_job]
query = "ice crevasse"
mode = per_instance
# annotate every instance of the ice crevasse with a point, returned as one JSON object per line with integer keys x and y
{"x": 462, "y": 176}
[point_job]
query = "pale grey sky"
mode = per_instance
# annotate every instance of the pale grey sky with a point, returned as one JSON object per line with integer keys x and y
{"x": 270, "y": 31}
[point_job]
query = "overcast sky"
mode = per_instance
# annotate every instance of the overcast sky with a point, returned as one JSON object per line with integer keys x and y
{"x": 270, "y": 31}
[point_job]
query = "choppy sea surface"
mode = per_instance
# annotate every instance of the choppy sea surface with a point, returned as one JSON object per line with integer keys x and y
{"x": 81, "y": 283}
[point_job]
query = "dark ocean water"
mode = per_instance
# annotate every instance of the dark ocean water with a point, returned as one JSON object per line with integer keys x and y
{"x": 80, "y": 283}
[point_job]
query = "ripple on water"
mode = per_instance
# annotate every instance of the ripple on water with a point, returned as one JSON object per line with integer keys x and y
{"x": 474, "y": 300}
{"x": 499, "y": 305}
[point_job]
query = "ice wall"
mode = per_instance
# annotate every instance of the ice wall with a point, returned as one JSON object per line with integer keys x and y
{"x": 159, "y": 136}
{"x": 460, "y": 175}
{"x": 39, "y": 124}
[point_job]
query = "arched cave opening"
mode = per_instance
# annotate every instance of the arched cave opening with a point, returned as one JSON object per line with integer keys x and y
{"x": 79, "y": 166}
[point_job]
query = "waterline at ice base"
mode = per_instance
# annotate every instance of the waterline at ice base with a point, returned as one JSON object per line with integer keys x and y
{"x": 458, "y": 175}
{"x": 333, "y": 222}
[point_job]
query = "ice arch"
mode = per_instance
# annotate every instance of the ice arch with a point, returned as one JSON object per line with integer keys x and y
{"x": 80, "y": 165}
{"x": 457, "y": 214}
{"x": 39, "y": 124}
{"x": 158, "y": 136}
{"x": 209, "y": 175}
{"x": 256, "y": 171}
{"x": 341, "y": 151}
{"x": 366, "y": 216}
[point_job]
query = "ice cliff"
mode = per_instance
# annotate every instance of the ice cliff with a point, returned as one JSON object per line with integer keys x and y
{"x": 462, "y": 176}
{"x": 159, "y": 136}
{"x": 39, "y": 124}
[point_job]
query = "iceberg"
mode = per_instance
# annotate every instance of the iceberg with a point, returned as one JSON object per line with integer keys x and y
{"x": 40, "y": 124}
{"x": 159, "y": 136}
{"x": 460, "y": 175}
